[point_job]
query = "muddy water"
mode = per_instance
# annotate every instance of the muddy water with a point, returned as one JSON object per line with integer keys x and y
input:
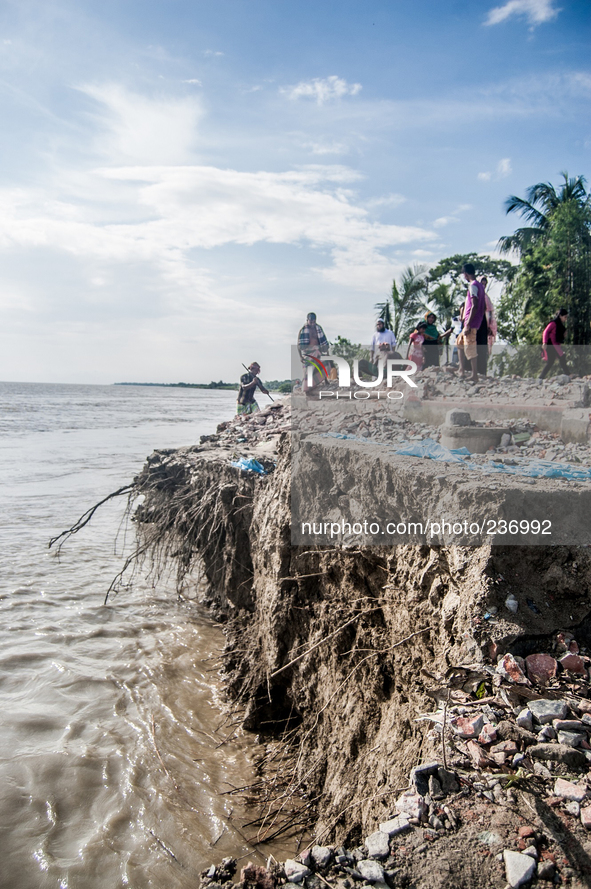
{"x": 113, "y": 766}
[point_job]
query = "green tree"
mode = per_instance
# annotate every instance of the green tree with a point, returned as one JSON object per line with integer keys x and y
{"x": 398, "y": 310}
{"x": 555, "y": 269}
{"x": 448, "y": 271}
{"x": 348, "y": 350}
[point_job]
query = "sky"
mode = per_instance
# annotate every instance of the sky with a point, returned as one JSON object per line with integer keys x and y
{"x": 182, "y": 181}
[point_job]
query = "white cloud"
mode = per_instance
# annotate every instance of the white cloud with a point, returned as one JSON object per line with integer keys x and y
{"x": 212, "y": 52}
{"x": 536, "y": 11}
{"x": 138, "y": 129}
{"x": 386, "y": 200}
{"x": 193, "y": 80}
{"x": 503, "y": 169}
{"x": 444, "y": 220}
{"x": 327, "y": 147}
{"x": 168, "y": 212}
{"x": 322, "y": 90}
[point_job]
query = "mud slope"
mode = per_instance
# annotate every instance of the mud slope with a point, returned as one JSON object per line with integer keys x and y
{"x": 343, "y": 651}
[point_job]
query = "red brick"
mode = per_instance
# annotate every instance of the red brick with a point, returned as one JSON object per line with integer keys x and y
{"x": 479, "y": 758}
{"x": 509, "y": 667}
{"x": 574, "y": 663}
{"x": 468, "y": 726}
{"x": 541, "y": 668}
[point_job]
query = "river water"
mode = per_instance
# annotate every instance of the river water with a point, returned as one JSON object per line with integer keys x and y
{"x": 111, "y": 717}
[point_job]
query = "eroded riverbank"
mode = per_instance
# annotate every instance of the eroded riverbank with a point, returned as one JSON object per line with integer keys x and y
{"x": 341, "y": 655}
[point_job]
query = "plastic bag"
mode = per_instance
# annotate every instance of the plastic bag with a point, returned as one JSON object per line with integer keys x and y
{"x": 250, "y": 465}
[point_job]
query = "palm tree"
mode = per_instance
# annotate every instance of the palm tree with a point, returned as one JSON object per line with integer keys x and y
{"x": 404, "y": 300}
{"x": 542, "y": 200}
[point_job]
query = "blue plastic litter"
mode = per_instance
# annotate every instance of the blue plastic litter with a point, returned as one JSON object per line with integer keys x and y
{"x": 250, "y": 465}
{"x": 433, "y": 451}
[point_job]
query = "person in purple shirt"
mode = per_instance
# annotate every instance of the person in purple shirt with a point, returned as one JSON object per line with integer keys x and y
{"x": 474, "y": 313}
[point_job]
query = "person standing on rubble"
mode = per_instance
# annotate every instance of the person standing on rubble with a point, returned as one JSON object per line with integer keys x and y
{"x": 312, "y": 343}
{"x": 474, "y": 314}
{"x": 552, "y": 340}
{"x": 248, "y": 385}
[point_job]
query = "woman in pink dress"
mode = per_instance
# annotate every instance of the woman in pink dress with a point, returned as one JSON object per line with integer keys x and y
{"x": 415, "y": 345}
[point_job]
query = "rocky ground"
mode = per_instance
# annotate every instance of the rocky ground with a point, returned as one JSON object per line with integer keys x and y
{"x": 523, "y": 443}
{"x": 507, "y": 803}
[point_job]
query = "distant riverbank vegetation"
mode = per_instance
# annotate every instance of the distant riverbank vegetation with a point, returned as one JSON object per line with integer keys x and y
{"x": 283, "y": 386}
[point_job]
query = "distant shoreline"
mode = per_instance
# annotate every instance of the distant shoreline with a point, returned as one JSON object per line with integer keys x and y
{"x": 185, "y": 385}
{"x": 274, "y": 385}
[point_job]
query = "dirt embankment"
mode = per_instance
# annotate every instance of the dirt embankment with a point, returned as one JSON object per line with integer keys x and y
{"x": 344, "y": 654}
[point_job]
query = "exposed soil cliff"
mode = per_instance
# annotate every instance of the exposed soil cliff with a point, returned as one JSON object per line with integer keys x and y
{"x": 341, "y": 653}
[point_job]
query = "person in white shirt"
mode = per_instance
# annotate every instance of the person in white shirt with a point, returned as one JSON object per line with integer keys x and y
{"x": 383, "y": 342}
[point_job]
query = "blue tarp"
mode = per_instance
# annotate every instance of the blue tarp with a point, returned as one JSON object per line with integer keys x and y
{"x": 250, "y": 465}
{"x": 432, "y": 450}
{"x": 532, "y": 469}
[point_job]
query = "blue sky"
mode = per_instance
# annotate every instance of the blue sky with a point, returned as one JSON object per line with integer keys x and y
{"x": 181, "y": 182}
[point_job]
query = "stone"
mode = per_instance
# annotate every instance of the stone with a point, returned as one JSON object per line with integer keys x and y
{"x": 378, "y": 844}
{"x": 435, "y": 790}
{"x": 548, "y": 733}
{"x": 568, "y": 725}
{"x": 546, "y": 871}
{"x": 468, "y": 726}
{"x": 509, "y": 748}
{"x": 574, "y": 663}
{"x": 305, "y": 857}
{"x": 457, "y": 418}
{"x": 511, "y": 603}
{"x": 531, "y": 851}
{"x": 541, "y": 668}
{"x": 573, "y": 808}
{"x": 370, "y": 871}
{"x": 519, "y": 868}
{"x": 419, "y": 776}
{"x": 510, "y": 668}
{"x": 479, "y": 758}
{"x": 525, "y": 831}
{"x": 505, "y": 440}
{"x": 321, "y": 856}
{"x": 571, "y": 739}
{"x": 584, "y": 706}
{"x": 448, "y": 781}
{"x": 411, "y": 804}
{"x": 489, "y": 838}
{"x": 545, "y": 711}
{"x": 487, "y": 735}
{"x": 295, "y": 871}
{"x": 525, "y": 719}
{"x": 395, "y": 825}
{"x": 576, "y": 759}
{"x": 586, "y": 817}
